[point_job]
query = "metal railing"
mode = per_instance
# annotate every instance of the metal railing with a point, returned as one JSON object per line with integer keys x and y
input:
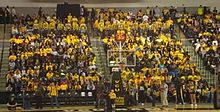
{"x": 3, "y": 43}
{"x": 195, "y": 58}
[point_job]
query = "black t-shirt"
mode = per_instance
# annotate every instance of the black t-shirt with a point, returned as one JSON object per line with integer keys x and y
{"x": 1, "y": 12}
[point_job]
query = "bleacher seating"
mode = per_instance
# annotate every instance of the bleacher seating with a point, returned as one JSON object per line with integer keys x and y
{"x": 160, "y": 55}
{"x": 204, "y": 31}
{"x": 45, "y": 49}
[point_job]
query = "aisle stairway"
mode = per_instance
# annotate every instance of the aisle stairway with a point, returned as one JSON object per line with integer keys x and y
{"x": 100, "y": 53}
{"x": 4, "y": 67}
{"x": 195, "y": 58}
{"x": 98, "y": 49}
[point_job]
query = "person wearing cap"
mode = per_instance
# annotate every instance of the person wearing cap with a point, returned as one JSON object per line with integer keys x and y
{"x": 12, "y": 104}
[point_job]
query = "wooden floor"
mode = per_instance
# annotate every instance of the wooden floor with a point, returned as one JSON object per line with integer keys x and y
{"x": 146, "y": 108}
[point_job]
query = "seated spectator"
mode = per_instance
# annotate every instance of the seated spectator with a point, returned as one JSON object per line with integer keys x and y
{"x": 160, "y": 57}
{"x": 12, "y": 104}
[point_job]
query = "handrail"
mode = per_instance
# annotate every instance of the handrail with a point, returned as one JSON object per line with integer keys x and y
{"x": 198, "y": 60}
{"x": 3, "y": 43}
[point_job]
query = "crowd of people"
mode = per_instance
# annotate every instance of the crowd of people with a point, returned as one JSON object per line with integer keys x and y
{"x": 7, "y": 14}
{"x": 50, "y": 54}
{"x": 46, "y": 50}
{"x": 203, "y": 28}
{"x": 161, "y": 59}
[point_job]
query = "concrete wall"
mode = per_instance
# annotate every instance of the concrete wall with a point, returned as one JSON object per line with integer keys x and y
{"x": 51, "y": 10}
{"x": 49, "y": 6}
{"x": 112, "y": 3}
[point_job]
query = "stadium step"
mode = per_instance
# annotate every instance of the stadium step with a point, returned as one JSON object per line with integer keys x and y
{"x": 195, "y": 58}
{"x": 100, "y": 53}
{"x": 4, "y": 66}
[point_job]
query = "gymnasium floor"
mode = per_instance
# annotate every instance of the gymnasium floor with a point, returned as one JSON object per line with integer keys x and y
{"x": 145, "y": 108}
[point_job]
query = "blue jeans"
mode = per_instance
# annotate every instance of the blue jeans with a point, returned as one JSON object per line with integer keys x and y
{"x": 173, "y": 73}
{"x": 210, "y": 97}
{"x": 54, "y": 100}
{"x": 27, "y": 104}
{"x": 99, "y": 102}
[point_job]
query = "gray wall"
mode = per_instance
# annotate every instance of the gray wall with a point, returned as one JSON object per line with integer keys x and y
{"x": 51, "y": 10}
{"x": 112, "y": 3}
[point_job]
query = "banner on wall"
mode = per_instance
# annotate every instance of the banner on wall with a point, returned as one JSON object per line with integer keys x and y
{"x": 118, "y": 87}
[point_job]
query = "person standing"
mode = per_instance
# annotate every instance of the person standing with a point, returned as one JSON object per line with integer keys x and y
{"x": 112, "y": 97}
{"x": 101, "y": 95}
{"x": 200, "y": 11}
{"x": 157, "y": 12}
{"x": 27, "y": 98}
{"x": 13, "y": 12}
{"x": 82, "y": 11}
{"x": 53, "y": 94}
{"x": 40, "y": 12}
{"x": 154, "y": 89}
{"x": 93, "y": 15}
{"x": 163, "y": 94}
{"x": 7, "y": 14}
{"x": 179, "y": 91}
{"x": 141, "y": 93}
{"x": 192, "y": 92}
{"x": 39, "y": 95}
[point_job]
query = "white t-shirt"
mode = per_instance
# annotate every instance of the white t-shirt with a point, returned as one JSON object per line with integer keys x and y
{"x": 165, "y": 89}
{"x": 17, "y": 76}
{"x": 197, "y": 46}
{"x": 145, "y": 18}
{"x": 13, "y": 12}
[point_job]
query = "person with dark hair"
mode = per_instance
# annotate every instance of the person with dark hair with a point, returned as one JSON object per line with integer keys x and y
{"x": 1, "y": 15}
{"x": 192, "y": 91}
{"x": 112, "y": 97}
{"x": 179, "y": 90}
{"x": 13, "y": 12}
{"x": 215, "y": 11}
{"x": 40, "y": 12}
{"x": 141, "y": 93}
{"x": 154, "y": 89}
{"x": 93, "y": 14}
{"x": 172, "y": 12}
{"x": 200, "y": 10}
{"x": 53, "y": 94}
{"x": 27, "y": 98}
{"x": 101, "y": 94}
{"x": 12, "y": 104}
{"x": 82, "y": 11}
{"x": 157, "y": 12}
{"x": 163, "y": 94}
{"x": 7, "y": 14}
{"x": 39, "y": 96}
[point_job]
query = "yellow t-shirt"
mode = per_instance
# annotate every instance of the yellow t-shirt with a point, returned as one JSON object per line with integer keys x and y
{"x": 49, "y": 75}
{"x": 53, "y": 90}
{"x": 30, "y": 71}
{"x": 63, "y": 87}
{"x": 69, "y": 18}
{"x": 112, "y": 95}
{"x": 12, "y": 57}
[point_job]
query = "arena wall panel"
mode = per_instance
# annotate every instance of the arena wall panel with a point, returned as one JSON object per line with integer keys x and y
{"x": 110, "y": 3}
